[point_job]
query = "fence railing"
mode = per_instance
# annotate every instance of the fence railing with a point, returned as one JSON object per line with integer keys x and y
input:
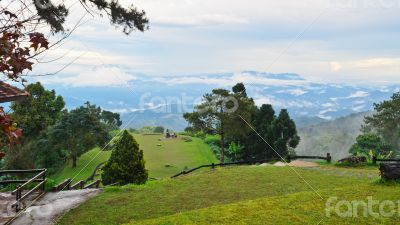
{"x": 20, "y": 196}
{"x": 328, "y": 158}
{"x": 375, "y": 160}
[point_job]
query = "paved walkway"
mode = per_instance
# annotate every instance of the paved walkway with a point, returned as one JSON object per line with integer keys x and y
{"x": 50, "y": 207}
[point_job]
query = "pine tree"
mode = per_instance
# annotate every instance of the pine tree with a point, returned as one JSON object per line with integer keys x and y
{"x": 126, "y": 164}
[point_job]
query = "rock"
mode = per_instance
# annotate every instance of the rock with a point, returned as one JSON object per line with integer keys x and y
{"x": 390, "y": 171}
{"x": 354, "y": 160}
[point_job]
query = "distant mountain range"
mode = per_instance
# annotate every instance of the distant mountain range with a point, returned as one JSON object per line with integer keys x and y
{"x": 149, "y": 100}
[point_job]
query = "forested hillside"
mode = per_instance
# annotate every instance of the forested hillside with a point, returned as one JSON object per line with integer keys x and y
{"x": 335, "y": 136}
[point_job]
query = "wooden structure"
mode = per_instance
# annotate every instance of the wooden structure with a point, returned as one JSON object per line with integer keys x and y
{"x": 328, "y": 158}
{"x": 10, "y": 93}
{"x": 23, "y": 191}
{"x": 67, "y": 185}
{"x": 375, "y": 160}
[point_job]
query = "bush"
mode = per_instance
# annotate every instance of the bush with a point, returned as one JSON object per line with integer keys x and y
{"x": 212, "y": 140}
{"x": 200, "y": 135}
{"x": 126, "y": 164}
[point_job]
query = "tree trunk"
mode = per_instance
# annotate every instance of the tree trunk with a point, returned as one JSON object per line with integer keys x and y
{"x": 74, "y": 159}
{"x": 222, "y": 158}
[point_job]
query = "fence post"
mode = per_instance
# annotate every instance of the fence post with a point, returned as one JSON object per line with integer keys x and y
{"x": 44, "y": 178}
{"x": 328, "y": 157}
{"x": 212, "y": 165}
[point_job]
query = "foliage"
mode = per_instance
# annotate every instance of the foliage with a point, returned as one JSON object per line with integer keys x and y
{"x": 212, "y": 140}
{"x": 279, "y": 132}
{"x": 370, "y": 145}
{"x": 218, "y": 114}
{"x": 21, "y": 37}
{"x": 17, "y": 45}
{"x": 235, "y": 151}
{"x": 229, "y": 114}
{"x": 9, "y": 130}
{"x": 126, "y": 164}
{"x": 112, "y": 120}
{"x": 78, "y": 131}
{"x": 159, "y": 130}
{"x": 41, "y": 109}
{"x": 386, "y": 121}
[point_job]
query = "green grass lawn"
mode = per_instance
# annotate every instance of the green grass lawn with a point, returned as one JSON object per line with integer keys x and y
{"x": 177, "y": 153}
{"x": 84, "y": 169}
{"x": 232, "y": 195}
{"x": 167, "y": 157}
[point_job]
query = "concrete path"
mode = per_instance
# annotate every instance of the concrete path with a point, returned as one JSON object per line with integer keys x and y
{"x": 50, "y": 207}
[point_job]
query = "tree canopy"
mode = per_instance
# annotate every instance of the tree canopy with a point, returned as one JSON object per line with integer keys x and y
{"x": 386, "y": 120}
{"x": 41, "y": 109}
{"x": 229, "y": 115}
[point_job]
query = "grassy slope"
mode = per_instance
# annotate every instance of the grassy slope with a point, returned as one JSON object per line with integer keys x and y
{"x": 175, "y": 152}
{"x": 273, "y": 190}
{"x": 298, "y": 208}
{"x": 81, "y": 172}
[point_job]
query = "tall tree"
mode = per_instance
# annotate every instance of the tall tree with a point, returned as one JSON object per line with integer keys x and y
{"x": 41, "y": 109}
{"x": 386, "y": 120}
{"x": 219, "y": 114}
{"x": 79, "y": 130}
{"x": 285, "y": 133}
{"x": 126, "y": 164}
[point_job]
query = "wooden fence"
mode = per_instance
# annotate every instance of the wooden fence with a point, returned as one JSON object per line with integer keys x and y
{"x": 328, "y": 158}
{"x": 67, "y": 185}
{"x": 375, "y": 160}
{"x": 23, "y": 184}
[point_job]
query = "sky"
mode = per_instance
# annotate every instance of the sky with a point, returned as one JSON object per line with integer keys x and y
{"x": 333, "y": 41}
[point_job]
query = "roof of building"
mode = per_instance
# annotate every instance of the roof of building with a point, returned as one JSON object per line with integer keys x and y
{"x": 10, "y": 93}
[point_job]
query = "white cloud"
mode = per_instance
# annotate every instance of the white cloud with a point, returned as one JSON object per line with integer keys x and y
{"x": 358, "y": 94}
{"x": 328, "y": 105}
{"x": 201, "y": 20}
{"x": 295, "y": 92}
{"x": 98, "y": 77}
{"x": 244, "y": 77}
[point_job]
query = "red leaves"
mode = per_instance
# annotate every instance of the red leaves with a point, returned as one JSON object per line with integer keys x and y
{"x": 38, "y": 41}
{"x": 8, "y": 128}
{"x": 16, "y": 48}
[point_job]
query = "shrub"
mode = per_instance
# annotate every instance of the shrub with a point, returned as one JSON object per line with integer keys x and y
{"x": 126, "y": 164}
{"x": 212, "y": 140}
